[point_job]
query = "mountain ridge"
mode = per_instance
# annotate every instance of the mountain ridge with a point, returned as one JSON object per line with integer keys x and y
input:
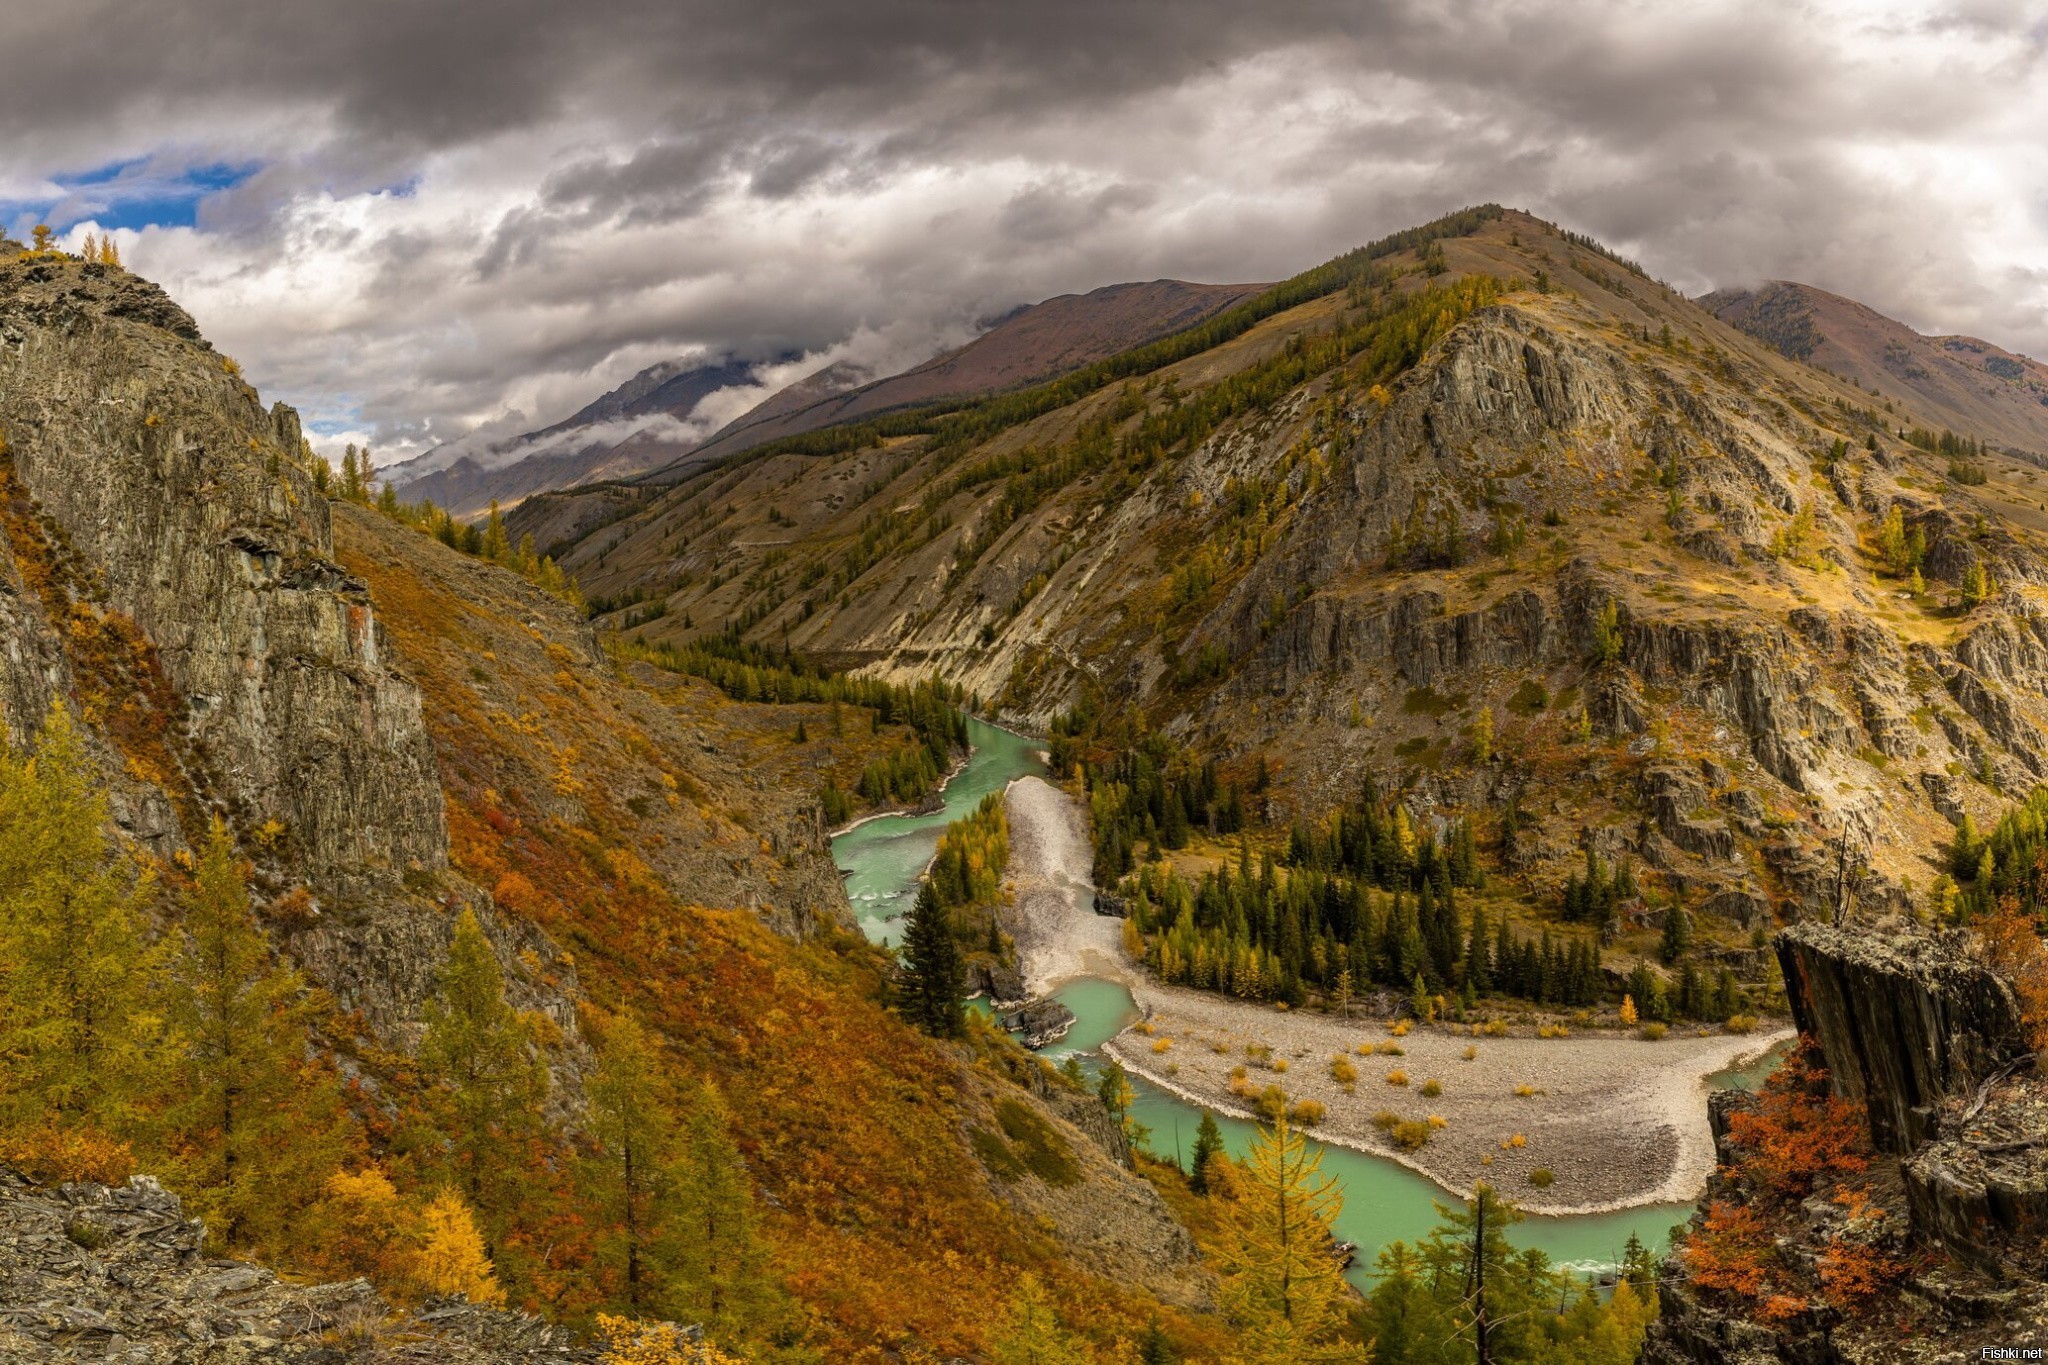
{"x": 1976, "y": 387}
{"x": 1027, "y": 343}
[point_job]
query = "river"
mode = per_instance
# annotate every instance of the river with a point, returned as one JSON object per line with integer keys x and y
{"x": 1383, "y": 1202}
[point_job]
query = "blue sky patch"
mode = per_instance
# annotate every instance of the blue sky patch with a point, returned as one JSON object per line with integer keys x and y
{"x": 161, "y": 190}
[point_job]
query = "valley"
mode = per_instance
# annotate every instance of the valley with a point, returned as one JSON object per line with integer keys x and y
{"x": 1462, "y": 733}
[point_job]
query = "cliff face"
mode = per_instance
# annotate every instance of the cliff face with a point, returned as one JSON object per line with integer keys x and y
{"x": 181, "y": 506}
{"x": 1906, "y": 1024}
{"x": 1926, "y": 1040}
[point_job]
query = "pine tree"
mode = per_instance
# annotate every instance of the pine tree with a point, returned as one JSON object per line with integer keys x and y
{"x": 1478, "y": 963}
{"x": 1409, "y": 1324}
{"x": 933, "y": 988}
{"x": 74, "y": 970}
{"x": 1978, "y": 586}
{"x": 497, "y": 543}
{"x": 351, "y": 474}
{"x": 1677, "y": 935}
{"x": 257, "y": 1129}
{"x": 1607, "y": 636}
{"x": 1113, "y": 1088}
{"x": 1208, "y": 1148}
{"x": 489, "y": 1086}
{"x": 453, "y": 1259}
{"x": 633, "y": 1179}
{"x": 1154, "y": 1348}
{"x": 1031, "y": 1333}
{"x": 1280, "y": 1282}
{"x": 713, "y": 1257}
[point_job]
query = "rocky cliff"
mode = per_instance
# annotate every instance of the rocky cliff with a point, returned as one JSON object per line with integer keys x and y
{"x": 1922, "y": 1040}
{"x": 171, "y": 576}
{"x": 172, "y": 498}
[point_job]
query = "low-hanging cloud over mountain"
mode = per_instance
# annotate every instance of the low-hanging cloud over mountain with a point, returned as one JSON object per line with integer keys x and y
{"x": 414, "y": 220}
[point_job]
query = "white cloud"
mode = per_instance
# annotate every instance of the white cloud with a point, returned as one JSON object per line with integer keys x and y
{"x": 487, "y": 248}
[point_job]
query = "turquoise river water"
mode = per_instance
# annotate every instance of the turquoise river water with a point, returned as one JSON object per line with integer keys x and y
{"x": 1383, "y": 1201}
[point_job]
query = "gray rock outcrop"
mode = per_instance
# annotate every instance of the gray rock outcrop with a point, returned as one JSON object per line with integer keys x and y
{"x": 89, "y": 1273}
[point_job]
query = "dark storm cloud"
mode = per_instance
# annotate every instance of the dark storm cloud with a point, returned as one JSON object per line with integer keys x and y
{"x": 458, "y": 209}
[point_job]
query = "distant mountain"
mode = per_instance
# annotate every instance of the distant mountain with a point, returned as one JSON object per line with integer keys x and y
{"x": 1033, "y": 343}
{"x": 642, "y": 425}
{"x": 1972, "y": 386}
{"x": 595, "y": 443}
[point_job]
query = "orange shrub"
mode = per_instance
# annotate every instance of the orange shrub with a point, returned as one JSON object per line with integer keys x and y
{"x": 1852, "y": 1274}
{"x": 53, "y": 1154}
{"x": 1797, "y": 1135}
{"x": 1731, "y": 1252}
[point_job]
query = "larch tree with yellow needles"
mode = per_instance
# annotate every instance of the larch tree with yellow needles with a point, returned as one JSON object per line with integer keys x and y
{"x": 1281, "y": 1283}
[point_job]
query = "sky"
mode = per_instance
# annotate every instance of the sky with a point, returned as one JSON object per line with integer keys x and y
{"x": 424, "y": 221}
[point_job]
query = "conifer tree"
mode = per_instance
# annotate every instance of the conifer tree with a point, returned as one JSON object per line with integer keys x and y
{"x": 488, "y": 1086}
{"x": 1408, "y": 1324}
{"x": 933, "y": 989}
{"x": 351, "y": 474}
{"x": 256, "y": 1129}
{"x": 634, "y": 1178}
{"x": 74, "y": 970}
{"x": 1280, "y": 1282}
{"x": 1208, "y": 1148}
{"x": 1154, "y": 1348}
{"x": 1478, "y": 964}
{"x": 1677, "y": 935}
{"x": 1031, "y": 1333}
{"x": 712, "y": 1256}
{"x": 497, "y": 543}
{"x": 1978, "y": 587}
{"x": 452, "y": 1258}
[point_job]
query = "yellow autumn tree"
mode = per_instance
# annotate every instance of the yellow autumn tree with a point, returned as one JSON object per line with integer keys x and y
{"x": 75, "y": 972}
{"x": 1031, "y": 1333}
{"x": 1628, "y": 1009}
{"x": 1281, "y": 1284}
{"x": 451, "y": 1258}
{"x": 254, "y": 1128}
{"x": 487, "y": 1083}
{"x": 364, "y": 1228}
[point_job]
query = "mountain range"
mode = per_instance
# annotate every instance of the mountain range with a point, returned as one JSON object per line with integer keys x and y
{"x": 646, "y": 423}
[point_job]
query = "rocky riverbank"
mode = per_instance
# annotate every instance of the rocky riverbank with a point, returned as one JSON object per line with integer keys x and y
{"x": 1059, "y": 936}
{"x": 1615, "y": 1120}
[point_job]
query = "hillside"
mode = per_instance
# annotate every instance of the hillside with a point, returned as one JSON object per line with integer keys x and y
{"x": 1961, "y": 383}
{"x": 1648, "y": 549}
{"x": 498, "y": 899}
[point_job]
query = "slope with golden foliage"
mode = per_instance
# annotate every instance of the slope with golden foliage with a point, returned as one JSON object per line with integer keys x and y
{"x": 882, "y": 1221}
